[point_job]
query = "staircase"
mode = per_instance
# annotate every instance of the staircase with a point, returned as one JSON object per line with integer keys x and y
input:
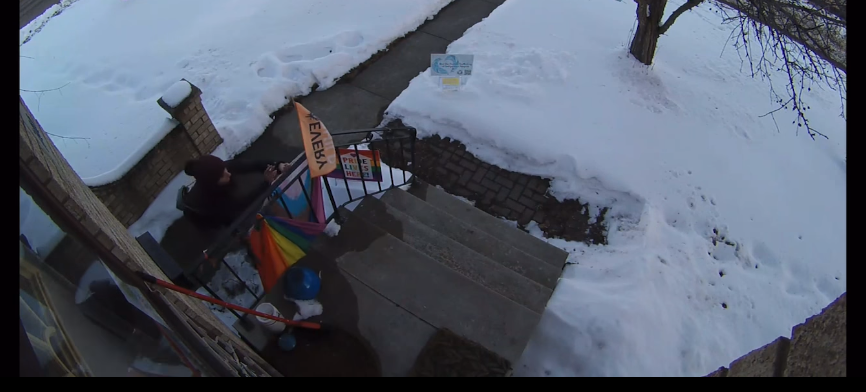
{"x": 422, "y": 260}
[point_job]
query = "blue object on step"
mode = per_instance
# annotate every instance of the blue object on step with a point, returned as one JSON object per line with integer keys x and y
{"x": 301, "y": 283}
{"x": 287, "y": 342}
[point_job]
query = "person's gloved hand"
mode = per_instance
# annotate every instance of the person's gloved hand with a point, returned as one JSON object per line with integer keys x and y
{"x": 283, "y": 167}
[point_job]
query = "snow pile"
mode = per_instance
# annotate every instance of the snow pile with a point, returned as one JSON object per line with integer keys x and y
{"x": 177, "y": 93}
{"x": 162, "y": 211}
{"x": 723, "y": 232}
{"x": 96, "y": 71}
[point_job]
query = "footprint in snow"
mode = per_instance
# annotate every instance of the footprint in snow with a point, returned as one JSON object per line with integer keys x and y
{"x": 267, "y": 67}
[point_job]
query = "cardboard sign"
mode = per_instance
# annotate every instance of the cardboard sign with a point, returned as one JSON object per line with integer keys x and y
{"x": 363, "y": 166}
{"x": 318, "y": 144}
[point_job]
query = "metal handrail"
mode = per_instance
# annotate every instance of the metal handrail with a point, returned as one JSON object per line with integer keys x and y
{"x": 246, "y": 220}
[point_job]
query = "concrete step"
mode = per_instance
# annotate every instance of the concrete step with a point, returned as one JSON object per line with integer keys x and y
{"x": 490, "y": 225}
{"x": 462, "y": 231}
{"x": 427, "y": 289}
{"x": 454, "y": 255}
{"x": 395, "y": 334}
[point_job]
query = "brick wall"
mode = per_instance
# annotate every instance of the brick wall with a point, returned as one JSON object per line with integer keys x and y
{"x": 39, "y": 154}
{"x": 817, "y": 348}
{"x": 194, "y": 136}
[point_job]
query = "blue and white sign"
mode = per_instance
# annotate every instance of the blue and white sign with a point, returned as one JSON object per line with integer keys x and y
{"x": 451, "y": 65}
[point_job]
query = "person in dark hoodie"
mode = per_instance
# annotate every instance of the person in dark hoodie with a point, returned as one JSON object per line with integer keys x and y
{"x": 221, "y": 193}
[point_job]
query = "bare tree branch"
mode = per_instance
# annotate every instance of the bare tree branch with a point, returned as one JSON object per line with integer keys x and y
{"x": 803, "y": 24}
{"x": 68, "y": 137}
{"x": 42, "y": 91}
{"x": 769, "y": 49}
{"x": 677, "y": 12}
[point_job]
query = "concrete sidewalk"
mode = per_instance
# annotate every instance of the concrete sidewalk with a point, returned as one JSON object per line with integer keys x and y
{"x": 359, "y": 100}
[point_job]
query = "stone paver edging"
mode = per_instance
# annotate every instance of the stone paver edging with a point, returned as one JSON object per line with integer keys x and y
{"x": 514, "y": 196}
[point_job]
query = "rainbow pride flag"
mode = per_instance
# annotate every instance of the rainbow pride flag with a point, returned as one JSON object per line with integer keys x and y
{"x": 278, "y": 243}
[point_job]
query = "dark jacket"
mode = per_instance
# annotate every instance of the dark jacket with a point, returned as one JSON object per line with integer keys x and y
{"x": 220, "y": 205}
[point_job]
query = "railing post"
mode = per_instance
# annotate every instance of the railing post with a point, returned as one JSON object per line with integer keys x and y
{"x": 283, "y": 203}
{"x": 391, "y": 159}
{"x": 377, "y": 163}
{"x": 358, "y": 160}
{"x": 333, "y": 203}
{"x": 414, "y": 162}
{"x": 345, "y": 181}
{"x": 403, "y": 160}
{"x": 307, "y": 197}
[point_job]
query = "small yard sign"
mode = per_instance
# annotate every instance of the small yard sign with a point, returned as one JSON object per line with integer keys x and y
{"x": 452, "y": 71}
{"x": 364, "y": 165}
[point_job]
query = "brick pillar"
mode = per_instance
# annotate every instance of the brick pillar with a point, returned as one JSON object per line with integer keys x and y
{"x": 195, "y": 121}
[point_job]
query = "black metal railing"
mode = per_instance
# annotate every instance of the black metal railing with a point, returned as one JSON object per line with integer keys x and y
{"x": 398, "y": 146}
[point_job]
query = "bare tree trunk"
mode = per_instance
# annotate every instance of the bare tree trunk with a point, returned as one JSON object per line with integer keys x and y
{"x": 649, "y": 18}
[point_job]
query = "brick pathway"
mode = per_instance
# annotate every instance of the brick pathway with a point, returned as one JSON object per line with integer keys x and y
{"x": 510, "y": 195}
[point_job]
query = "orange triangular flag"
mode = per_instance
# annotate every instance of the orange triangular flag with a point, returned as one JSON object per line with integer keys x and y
{"x": 318, "y": 144}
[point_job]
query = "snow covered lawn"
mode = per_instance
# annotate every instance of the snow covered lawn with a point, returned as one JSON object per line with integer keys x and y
{"x": 106, "y": 62}
{"x": 723, "y": 233}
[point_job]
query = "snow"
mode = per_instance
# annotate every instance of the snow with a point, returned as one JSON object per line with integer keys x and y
{"x": 96, "y": 70}
{"x": 723, "y": 232}
{"x": 163, "y": 211}
{"x": 177, "y": 93}
{"x": 332, "y": 229}
{"x": 306, "y": 309}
